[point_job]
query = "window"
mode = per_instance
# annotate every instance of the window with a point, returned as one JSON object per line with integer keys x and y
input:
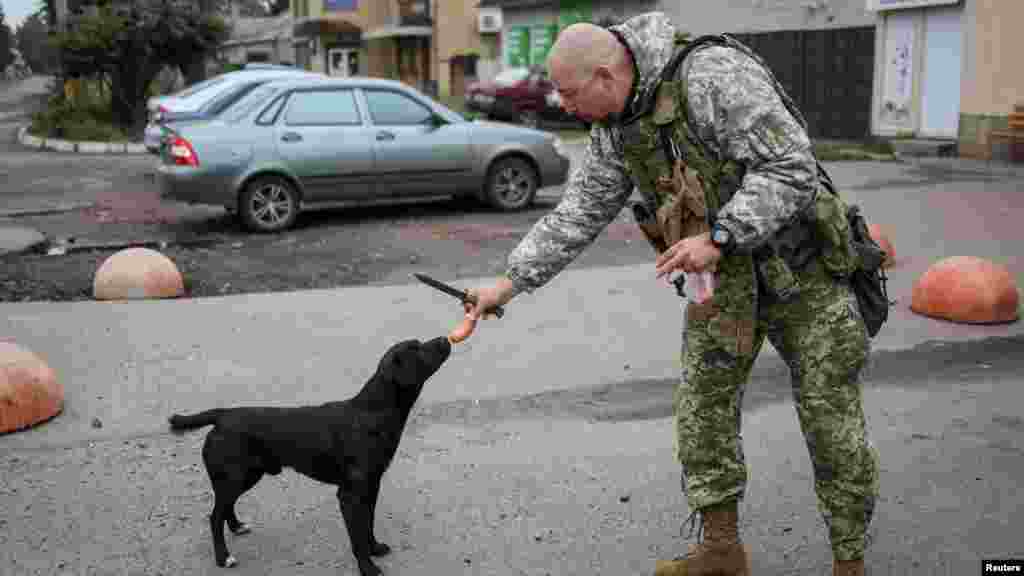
{"x": 196, "y": 88}
{"x": 248, "y": 103}
{"x": 393, "y": 109}
{"x": 219, "y": 103}
{"x": 511, "y": 76}
{"x": 322, "y": 108}
{"x": 269, "y": 116}
{"x": 469, "y": 65}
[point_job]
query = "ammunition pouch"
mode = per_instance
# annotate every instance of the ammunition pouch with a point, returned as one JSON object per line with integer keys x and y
{"x": 850, "y": 254}
{"x": 647, "y": 220}
{"x": 648, "y": 223}
{"x": 790, "y": 251}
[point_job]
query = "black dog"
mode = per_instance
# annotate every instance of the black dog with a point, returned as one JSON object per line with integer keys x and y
{"x": 349, "y": 444}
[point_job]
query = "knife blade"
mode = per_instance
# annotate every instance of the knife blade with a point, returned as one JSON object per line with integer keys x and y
{"x": 462, "y": 295}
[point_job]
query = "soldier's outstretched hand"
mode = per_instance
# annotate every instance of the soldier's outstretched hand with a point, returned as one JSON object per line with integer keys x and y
{"x": 488, "y": 298}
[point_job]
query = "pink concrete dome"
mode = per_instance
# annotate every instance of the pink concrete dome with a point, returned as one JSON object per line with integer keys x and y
{"x": 29, "y": 390}
{"x": 137, "y": 273}
{"x": 879, "y": 235}
{"x": 966, "y": 289}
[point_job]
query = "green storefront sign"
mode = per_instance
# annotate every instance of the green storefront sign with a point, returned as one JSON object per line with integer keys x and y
{"x": 529, "y": 45}
{"x": 542, "y": 37}
{"x": 518, "y": 53}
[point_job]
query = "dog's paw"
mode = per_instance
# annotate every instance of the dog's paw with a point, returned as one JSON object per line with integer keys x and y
{"x": 241, "y": 530}
{"x": 229, "y": 562}
{"x": 379, "y": 549}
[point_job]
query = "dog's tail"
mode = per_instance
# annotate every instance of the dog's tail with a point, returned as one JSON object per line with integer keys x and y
{"x": 181, "y": 423}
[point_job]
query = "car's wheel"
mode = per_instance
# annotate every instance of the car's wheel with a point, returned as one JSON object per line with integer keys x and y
{"x": 268, "y": 204}
{"x": 511, "y": 184}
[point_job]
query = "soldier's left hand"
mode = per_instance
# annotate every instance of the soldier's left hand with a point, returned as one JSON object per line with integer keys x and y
{"x": 691, "y": 255}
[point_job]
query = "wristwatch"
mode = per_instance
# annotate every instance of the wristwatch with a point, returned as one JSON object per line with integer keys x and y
{"x": 722, "y": 238}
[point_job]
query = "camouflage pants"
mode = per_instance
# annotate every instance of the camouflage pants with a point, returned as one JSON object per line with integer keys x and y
{"x": 820, "y": 335}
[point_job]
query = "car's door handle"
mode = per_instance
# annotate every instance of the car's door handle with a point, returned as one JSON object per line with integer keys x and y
{"x": 382, "y": 136}
{"x": 291, "y": 137}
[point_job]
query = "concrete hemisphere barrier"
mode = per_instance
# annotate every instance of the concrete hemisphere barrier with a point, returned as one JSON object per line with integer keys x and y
{"x": 968, "y": 290}
{"x": 879, "y": 235}
{"x": 29, "y": 390}
{"x": 137, "y": 273}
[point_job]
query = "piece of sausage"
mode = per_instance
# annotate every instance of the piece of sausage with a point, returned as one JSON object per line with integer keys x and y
{"x": 463, "y": 330}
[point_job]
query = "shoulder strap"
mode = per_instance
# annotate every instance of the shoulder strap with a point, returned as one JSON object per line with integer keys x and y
{"x": 673, "y": 152}
{"x": 672, "y": 68}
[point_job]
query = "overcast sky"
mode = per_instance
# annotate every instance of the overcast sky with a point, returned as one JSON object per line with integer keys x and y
{"x": 15, "y": 11}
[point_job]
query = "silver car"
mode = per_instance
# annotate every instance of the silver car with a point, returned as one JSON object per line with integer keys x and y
{"x": 301, "y": 144}
{"x": 208, "y": 98}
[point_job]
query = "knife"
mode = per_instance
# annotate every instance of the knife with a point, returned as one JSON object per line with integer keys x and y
{"x": 461, "y": 295}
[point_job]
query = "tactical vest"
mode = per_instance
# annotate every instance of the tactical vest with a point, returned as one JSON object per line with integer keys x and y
{"x": 683, "y": 183}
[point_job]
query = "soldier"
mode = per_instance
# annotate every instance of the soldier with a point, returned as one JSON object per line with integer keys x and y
{"x": 725, "y": 167}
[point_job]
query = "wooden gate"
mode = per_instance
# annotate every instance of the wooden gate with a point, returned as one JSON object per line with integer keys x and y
{"x": 828, "y": 73}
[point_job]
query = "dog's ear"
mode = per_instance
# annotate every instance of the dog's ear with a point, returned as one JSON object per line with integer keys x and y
{"x": 405, "y": 366}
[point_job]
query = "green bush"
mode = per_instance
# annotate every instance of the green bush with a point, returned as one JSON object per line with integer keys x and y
{"x": 88, "y": 117}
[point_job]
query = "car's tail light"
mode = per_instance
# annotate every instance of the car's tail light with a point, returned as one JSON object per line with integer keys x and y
{"x": 182, "y": 152}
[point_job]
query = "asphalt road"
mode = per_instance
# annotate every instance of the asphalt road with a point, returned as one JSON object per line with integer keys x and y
{"x": 558, "y": 483}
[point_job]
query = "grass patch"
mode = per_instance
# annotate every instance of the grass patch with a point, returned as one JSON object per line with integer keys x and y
{"x": 873, "y": 149}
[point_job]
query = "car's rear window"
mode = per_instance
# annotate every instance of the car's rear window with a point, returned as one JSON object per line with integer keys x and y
{"x": 249, "y": 102}
{"x": 224, "y": 100}
{"x": 511, "y": 76}
{"x": 196, "y": 88}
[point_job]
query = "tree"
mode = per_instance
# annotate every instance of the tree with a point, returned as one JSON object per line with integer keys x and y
{"x": 32, "y": 39}
{"x": 126, "y": 47}
{"x": 6, "y": 42}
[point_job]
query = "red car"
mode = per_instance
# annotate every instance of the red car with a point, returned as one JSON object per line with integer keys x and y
{"x": 523, "y": 95}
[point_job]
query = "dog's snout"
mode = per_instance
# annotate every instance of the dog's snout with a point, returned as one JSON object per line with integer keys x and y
{"x": 438, "y": 348}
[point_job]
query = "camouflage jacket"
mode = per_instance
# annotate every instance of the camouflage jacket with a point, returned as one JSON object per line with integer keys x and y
{"x": 738, "y": 115}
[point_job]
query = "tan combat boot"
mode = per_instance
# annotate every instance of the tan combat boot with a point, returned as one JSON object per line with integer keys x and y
{"x": 720, "y": 553}
{"x": 848, "y": 568}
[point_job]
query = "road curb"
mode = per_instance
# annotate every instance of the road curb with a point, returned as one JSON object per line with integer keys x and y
{"x": 45, "y": 211}
{"x": 92, "y": 148}
{"x": 60, "y": 247}
{"x": 37, "y": 245}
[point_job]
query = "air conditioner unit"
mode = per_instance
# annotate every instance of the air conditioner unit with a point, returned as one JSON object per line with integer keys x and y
{"x": 489, "y": 20}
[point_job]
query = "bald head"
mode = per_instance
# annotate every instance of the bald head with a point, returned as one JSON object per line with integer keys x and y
{"x": 585, "y": 47}
{"x": 593, "y": 71}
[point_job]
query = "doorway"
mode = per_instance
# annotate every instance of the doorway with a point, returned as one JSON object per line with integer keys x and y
{"x": 343, "y": 62}
{"x": 940, "y": 93}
